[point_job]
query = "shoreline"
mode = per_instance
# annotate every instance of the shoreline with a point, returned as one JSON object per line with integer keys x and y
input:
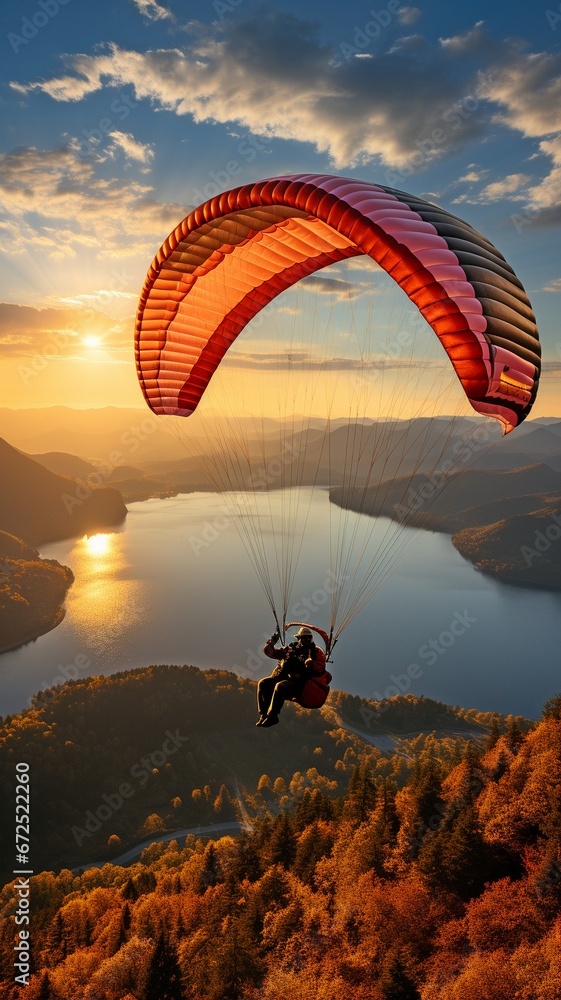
{"x": 61, "y": 613}
{"x": 477, "y": 561}
{"x": 507, "y": 580}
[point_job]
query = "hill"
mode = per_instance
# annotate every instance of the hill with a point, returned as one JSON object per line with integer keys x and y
{"x": 168, "y": 731}
{"x": 41, "y": 506}
{"x": 504, "y": 521}
{"x": 434, "y": 876}
{"x": 521, "y": 549}
{"x": 32, "y": 592}
{"x": 66, "y": 465}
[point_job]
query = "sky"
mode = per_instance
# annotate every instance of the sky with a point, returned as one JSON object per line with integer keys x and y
{"x": 119, "y": 117}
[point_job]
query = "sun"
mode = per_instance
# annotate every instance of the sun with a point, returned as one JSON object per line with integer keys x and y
{"x": 92, "y": 341}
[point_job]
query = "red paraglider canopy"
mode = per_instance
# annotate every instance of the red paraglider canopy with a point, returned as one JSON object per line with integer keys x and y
{"x": 234, "y": 254}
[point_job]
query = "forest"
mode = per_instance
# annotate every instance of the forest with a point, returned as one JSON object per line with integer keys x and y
{"x": 116, "y": 759}
{"x": 432, "y": 873}
{"x": 32, "y": 592}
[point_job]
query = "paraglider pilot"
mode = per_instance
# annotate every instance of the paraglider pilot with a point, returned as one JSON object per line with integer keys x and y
{"x": 298, "y": 662}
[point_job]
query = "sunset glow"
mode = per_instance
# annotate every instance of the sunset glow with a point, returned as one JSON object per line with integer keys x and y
{"x": 93, "y": 341}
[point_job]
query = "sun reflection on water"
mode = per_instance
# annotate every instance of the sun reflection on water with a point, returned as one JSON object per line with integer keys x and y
{"x": 108, "y": 603}
{"x": 98, "y": 545}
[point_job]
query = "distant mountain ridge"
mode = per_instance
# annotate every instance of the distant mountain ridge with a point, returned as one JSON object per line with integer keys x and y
{"x": 142, "y": 437}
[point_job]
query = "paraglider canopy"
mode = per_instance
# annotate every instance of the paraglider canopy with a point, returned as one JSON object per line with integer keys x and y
{"x": 225, "y": 262}
{"x": 236, "y": 252}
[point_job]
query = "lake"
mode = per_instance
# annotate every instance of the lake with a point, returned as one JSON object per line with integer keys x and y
{"x": 175, "y": 585}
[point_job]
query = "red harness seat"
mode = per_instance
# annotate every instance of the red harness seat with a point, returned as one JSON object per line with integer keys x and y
{"x": 315, "y": 691}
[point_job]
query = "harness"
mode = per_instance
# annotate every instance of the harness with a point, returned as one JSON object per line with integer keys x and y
{"x": 316, "y": 687}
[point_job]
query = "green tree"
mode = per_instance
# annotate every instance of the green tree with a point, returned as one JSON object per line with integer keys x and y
{"x": 456, "y": 857}
{"x": 361, "y": 796}
{"x": 395, "y": 983}
{"x": 282, "y": 845}
{"x": 494, "y": 734}
{"x": 211, "y": 872}
{"x": 314, "y": 843}
{"x": 514, "y": 736}
{"x": 235, "y": 964}
{"x": 40, "y": 988}
{"x": 164, "y": 975}
{"x": 552, "y": 708}
{"x": 56, "y": 945}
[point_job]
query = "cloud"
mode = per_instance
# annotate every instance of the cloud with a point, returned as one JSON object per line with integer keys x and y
{"x": 307, "y": 361}
{"x": 339, "y": 288}
{"x": 55, "y": 201}
{"x": 361, "y": 263}
{"x": 473, "y": 41}
{"x": 527, "y": 90}
{"x": 28, "y": 332}
{"x": 553, "y": 286}
{"x": 508, "y": 188}
{"x": 509, "y": 185}
{"x": 472, "y": 177}
{"x": 551, "y": 367}
{"x": 409, "y": 45}
{"x": 134, "y": 150}
{"x": 545, "y": 197}
{"x": 111, "y": 301}
{"x": 152, "y": 10}
{"x": 275, "y": 77}
{"x": 408, "y": 15}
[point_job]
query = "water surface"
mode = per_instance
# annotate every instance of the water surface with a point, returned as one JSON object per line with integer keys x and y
{"x": 175, "y": 585}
